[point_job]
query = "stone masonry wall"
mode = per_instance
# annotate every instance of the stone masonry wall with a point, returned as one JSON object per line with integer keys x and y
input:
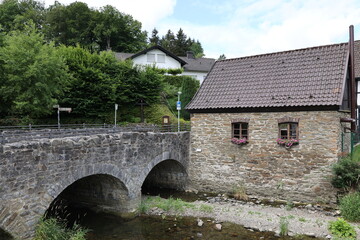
{"x": 266, "y": 169}
{"x": 34, "y": 173}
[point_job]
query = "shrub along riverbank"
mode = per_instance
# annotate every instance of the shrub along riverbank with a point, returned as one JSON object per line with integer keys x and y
{"x": 53, "y": 229}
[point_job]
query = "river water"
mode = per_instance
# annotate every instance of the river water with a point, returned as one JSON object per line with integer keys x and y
{"x": 110, "y": 227}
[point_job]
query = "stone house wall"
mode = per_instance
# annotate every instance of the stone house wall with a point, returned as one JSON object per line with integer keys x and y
{"x": 264, "y": 168}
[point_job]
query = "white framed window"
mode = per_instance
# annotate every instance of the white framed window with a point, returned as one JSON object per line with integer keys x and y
{"x": 150, "y": 57}
{"x": 161, "y": 58}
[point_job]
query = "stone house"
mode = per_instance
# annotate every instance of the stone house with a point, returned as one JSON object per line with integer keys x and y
{"x": 272, "y": 123}
{"x": 197, "y": 68}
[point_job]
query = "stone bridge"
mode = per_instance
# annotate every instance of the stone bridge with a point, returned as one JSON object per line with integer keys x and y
{"x": 103, "y": 171}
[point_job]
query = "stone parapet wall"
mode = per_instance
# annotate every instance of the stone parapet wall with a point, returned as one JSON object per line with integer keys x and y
{"x": 266, "y": 169}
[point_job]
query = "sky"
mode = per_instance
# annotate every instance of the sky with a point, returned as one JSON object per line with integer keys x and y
{"x": 239, "y": 28}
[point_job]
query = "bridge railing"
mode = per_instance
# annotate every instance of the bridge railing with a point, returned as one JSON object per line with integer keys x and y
{"x": 32, "y": 132}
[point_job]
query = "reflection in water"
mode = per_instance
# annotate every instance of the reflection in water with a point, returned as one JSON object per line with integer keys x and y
{"x": 108, "y": 227}
{"x": 4, "y": 235}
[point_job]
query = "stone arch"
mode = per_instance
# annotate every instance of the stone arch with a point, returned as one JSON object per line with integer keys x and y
{"x": 105, "y": 172}
{"x": 12, "y": 224}
{"x": 6, "y": 220}
{"x": 88, "y": 170}
{"x": 165, "y": 170}
{"x": 98, "y": 192}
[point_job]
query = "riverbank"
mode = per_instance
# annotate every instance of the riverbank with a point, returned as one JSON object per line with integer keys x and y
{"x": 300, "y": 221}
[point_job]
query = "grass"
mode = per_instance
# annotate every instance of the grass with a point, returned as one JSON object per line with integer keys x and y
{"x": 143, "y": 207}
{"x": 356, "y": 153}
{"x": 289, "y": 205}
{"x": 284, "y": 226}
{"x": 239, "y": 193}
{"x": 170, "y": 204}
{"x": 52, "y": 229}
{"x": 252, "y": 213}
{"x": 206, "y": 208}
{"x": 300, "y": 236}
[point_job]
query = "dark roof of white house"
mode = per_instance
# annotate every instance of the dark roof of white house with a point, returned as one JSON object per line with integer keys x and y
{"x": 298, "y": 78}
{"x": 198, "y": 64}
{"x": 123, "y": 56}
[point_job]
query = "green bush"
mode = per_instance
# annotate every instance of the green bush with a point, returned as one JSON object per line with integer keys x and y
{"x": 175, "y": 71}
{"x": 155, "y": 112}
{"x": 346, "y": 174}
{"x": 341, "y": 229}
{"x": 350, "y": 207}
{"x": 52, "y": 229}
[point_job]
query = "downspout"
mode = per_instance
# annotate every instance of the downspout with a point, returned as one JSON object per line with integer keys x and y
{"x": 352, "y": 78}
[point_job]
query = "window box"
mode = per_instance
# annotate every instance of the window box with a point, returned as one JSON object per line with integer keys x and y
{"x": 239, "y": 141}
{"x": 287, "y": 143}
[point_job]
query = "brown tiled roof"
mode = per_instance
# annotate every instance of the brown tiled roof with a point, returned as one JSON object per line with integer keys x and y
{"x": 304, "y": 77}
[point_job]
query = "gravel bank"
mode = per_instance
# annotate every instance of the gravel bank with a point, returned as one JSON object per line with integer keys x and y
{"x": 310, "y": 220}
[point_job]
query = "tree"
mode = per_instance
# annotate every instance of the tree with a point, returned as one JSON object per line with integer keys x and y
{"x": 181, "y": 44}
{"x": 70, "y": 25}
{"x": 93, "y": 82}
{"x": 33, "y": 74}
{"x": 187, "y": 85}
{"x": 154, "y": 39}
{"x": 147, "y": 84}
{"x": 168, "y": 41}
{"x": 221, "y": 57}
{"x": 117, "y": 31}
{"x": 188, "y": 89}
{"x": 14, "y": 14}
{"x": 197, "y": 49}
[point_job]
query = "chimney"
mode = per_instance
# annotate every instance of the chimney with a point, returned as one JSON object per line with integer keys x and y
{"x": 352, "y": 78}
{"x": 190, "y": 55}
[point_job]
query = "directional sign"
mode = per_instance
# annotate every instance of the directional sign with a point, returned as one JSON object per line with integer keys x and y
{"x": 178, "y": 105}
{"x": 64, "y": 109}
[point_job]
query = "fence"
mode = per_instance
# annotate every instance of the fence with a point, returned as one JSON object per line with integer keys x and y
{"x": 348, "y": 141}
{"x": 31, "y": 132}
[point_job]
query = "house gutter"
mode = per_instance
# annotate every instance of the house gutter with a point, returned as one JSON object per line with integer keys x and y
{"x": 352, "y": 78}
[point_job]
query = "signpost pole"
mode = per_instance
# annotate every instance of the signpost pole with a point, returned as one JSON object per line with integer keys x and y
{"x": 58, "y": 110}
{"x": 116, "y": 108}
{"x": 178, "y": 107}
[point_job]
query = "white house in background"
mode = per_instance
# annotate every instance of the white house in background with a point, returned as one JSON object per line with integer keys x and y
{"x": 162, "y": 58}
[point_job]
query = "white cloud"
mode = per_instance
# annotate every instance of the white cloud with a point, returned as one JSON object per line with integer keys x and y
{"x": 147, "y": 12}
{"x": 267, "y": 26}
